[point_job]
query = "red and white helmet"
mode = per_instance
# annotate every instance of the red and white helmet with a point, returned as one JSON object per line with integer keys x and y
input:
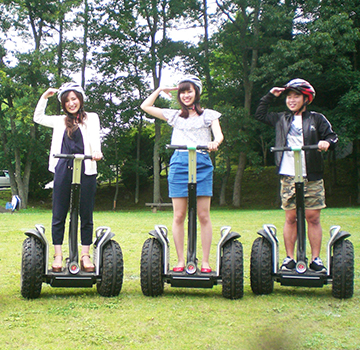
{"x": 192, "y": 79}
{"x": 70, "y": 87}
{"x": 302, "y": 86}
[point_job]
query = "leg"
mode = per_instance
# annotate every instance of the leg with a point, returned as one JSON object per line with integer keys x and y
{"x": 180, "y": 206}
{"x": 85, "y": 262}
{"x": 290, "y": 232}
{"x": 58, "y": 257}
{"x": 314, "y": 231}
{"x": 87, "y": 198}
{"x": 203, "y": 212}
{"x": 61, "y": 200}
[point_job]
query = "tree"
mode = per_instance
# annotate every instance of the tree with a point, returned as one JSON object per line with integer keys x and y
{"x": 324, "y": 50}
{"x": 237, "y": 59}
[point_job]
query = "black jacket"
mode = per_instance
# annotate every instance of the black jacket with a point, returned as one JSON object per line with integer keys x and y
{"x": 315, "y": 128}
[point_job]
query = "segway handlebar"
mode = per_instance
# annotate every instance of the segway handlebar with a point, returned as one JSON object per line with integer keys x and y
{"x": 302, "y": 148}
{"x": 72, "y": 156}
{"x": 187, "y": 147}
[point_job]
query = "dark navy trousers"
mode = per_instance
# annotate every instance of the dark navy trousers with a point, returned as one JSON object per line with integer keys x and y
{"x": 61, "y": 202}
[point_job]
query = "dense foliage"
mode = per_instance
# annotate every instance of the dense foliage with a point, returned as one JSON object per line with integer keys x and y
{"x": 120, "y": 50}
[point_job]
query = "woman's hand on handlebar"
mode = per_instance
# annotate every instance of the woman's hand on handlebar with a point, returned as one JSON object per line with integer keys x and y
{"x": 213, "y": 146}
{"x": 97, "y": 155}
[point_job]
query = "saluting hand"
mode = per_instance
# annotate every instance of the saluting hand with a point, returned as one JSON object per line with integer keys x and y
{"x": 49, "y": 92}
{"x": 277, "y": 91}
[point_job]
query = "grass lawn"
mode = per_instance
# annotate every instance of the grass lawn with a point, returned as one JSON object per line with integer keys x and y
{"x": 289, "y": 318}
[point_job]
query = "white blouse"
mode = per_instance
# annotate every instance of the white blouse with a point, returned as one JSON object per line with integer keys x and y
{"x": 193, "y": 131}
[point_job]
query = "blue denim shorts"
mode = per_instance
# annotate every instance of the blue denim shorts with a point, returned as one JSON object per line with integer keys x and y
{"x": 178, "y": 175}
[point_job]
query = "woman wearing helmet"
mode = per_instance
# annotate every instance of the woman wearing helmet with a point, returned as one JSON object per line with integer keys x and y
{"x": 191, "y": 126}
{"x": 299, "y": 127}
{"x": 74, "y": 132}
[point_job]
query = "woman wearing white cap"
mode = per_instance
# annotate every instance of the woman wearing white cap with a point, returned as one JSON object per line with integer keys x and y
{"x": 191, "y": 126}
{"x": 74, "y": 132}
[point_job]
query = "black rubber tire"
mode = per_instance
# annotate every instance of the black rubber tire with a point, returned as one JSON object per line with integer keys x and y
{"x": 261, "y": 280}
{"x": 151, "y": 266}
{"x": 343, "y": 269}
{"x": 232, "y": 270}
{"x": 32, "y": 268}
{"x": 111, "y": 271}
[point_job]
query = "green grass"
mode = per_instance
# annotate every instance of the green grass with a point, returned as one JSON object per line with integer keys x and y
{"x": 289, "y": 318}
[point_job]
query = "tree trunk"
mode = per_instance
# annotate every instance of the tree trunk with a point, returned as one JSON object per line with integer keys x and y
{"x": 238, "y": 178}
{"x": 156, "y": 157}
{"x": 85, "y": 48}
{"x": 356, "y": 150}
{"x": 116, "y": 187}
{"x": 224, "y": 182}
{"x": 138, "y": 151}
{"x": 117, "y": 177}
{"x": 206, "y": 55}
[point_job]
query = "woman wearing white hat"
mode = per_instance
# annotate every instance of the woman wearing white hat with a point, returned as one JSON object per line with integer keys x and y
{"x": 74, "y": 132}
{"x": 191, "y": 126}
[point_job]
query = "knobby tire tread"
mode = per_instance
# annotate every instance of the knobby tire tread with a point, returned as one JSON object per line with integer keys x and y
{"x": 152, "y": 283}
{"x": 260, "y": 267}
{"x": 232, "y": 270}
{"x": 112, "y": 270}
{"x": 343, "y": 269}
{"x": 32, "y": 268}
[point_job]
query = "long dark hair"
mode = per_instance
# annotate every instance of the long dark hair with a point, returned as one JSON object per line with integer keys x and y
{"x": 70, "y": 119}
{"x": 184, "y": 109}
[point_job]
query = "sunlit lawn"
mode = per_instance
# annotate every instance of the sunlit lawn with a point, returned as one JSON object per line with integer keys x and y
{"x": 289, "y": 318}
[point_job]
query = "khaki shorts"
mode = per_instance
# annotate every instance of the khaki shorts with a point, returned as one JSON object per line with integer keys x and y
{"x": 314, "y": 192}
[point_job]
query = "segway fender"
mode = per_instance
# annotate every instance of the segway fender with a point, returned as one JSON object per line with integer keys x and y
{"x": 39, "y": 233}
{"x": 156, "y": 235}
{"x": 226, "y": 236}
{"x": 335, "y": 235}
{"x": 160, "y": 233}
{"x": 230, "y": 236}
{"x": 103, "y": 235}
{"x": 341, "y": 235}
{"x": 269, "y": 233}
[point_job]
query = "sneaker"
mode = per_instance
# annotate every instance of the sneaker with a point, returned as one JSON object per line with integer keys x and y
{"x": 288, "y": 264}
{"x": 317, "y": 265}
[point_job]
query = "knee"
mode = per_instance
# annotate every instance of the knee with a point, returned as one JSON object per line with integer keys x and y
{"x": 179, "y": 217}
{"x": 313, "y": 220}
{"x": 204, "y": 217}
{"x": 290, "y": 220}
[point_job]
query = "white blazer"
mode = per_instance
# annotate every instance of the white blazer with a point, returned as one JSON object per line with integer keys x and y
{"x": 90, "y": 130}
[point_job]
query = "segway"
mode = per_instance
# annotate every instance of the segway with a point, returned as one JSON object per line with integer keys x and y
{"x": 107, "y": 255}
{"x": 264, "y": 265}
{"x": 155, "y": 270}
